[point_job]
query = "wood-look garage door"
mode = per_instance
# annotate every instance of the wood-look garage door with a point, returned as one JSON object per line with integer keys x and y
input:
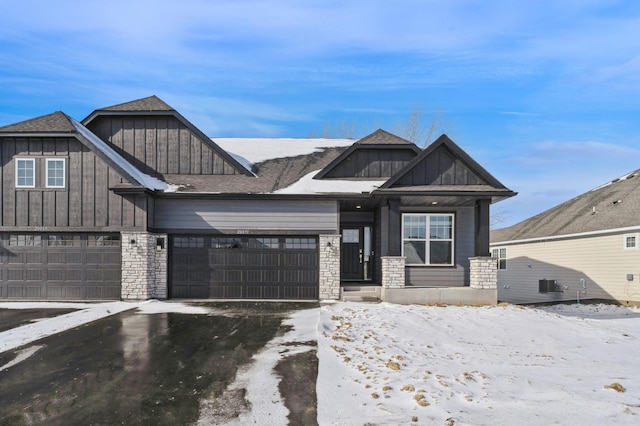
{"x": 48, "y": 266}
{"x": 213, "y": 267}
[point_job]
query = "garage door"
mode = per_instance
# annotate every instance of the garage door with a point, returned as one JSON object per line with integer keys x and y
{"x": 248, "y": 267}
{"x": 50, "y": 266}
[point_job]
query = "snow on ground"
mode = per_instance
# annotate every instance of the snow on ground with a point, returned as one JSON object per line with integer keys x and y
{"x": 260, "y": 380}
{"x": 28, "y": 333}
{"x": 87, "y": 312}
{"x": 255, "y": 150}
{"x": 308, "y": 185}
{"x": 393, "y": 364}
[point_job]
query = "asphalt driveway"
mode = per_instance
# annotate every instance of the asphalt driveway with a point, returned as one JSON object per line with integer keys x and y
{"x": 134, "y": 368}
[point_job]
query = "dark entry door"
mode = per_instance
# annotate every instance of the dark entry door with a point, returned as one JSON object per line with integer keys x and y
{"x": 356, "y": 254}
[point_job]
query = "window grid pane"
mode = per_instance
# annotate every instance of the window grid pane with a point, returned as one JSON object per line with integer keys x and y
{"x": 25, "y": 175}
{"x": 434, "y": 249}
{"x": 55, "y": 173}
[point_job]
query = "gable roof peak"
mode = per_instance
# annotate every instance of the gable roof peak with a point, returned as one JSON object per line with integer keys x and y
{"x": 148, "y": 104}
{"x": 56, "y": 122}
{"x": 382, "y": 137}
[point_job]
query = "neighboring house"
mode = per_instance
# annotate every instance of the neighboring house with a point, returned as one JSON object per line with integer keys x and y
{"x": 135, "y": 202}
{"x": 585, "y": 248}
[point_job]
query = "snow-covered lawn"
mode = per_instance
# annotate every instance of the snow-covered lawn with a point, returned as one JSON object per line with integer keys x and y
{"x": 390, "y": 364}
{"x": 504, "y": 365}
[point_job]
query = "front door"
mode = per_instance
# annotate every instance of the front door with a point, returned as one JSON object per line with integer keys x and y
{"x": 356, "y": 253}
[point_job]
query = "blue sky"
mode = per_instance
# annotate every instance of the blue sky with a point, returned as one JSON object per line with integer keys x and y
{"x": 544, "y": 94}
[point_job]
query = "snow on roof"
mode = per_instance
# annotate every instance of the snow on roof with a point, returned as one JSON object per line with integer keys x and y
{"x": 621, "y": 178}
{"x": 256, "y": 150}
{"x": 308, "y": 185}
{"x": 143, "y": 179}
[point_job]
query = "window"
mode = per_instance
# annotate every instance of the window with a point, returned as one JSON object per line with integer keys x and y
{"x": 188, "y": 242}
{"x": 631, "y": 242}
{"x": 55, "y": 173}
{"x": 25, "y": 240}
{"x": 434, "y": 247}
{"x": 25, "y": 173}
{"x": 500, "y": 255}
{"x": 300, "y": 243}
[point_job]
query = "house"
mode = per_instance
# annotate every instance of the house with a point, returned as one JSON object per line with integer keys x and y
{"x": 135, "y": 202}
{"x": 585, "y": 248}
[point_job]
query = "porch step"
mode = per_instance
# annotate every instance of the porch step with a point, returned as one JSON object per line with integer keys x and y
{"x": 369, "y": 294}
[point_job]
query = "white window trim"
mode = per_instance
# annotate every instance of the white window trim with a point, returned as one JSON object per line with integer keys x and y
{"x": 64, "y": 172}
{"x": 426, "y": 240}
{"x": 33, "y": 167}
{"x": 497, "y": 257}
{"x": 624, "y": 242}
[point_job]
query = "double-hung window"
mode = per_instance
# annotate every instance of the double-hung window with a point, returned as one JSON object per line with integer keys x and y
{"x": 500, "y": 255}
{"x": 55, "y": 173}
{"x": 25, "y": 173}
{"x": 427, "y": 239}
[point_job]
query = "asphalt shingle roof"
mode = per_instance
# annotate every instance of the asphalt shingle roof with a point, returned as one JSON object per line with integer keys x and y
{"x": 611, "y": 206}
{"x": 56, "y": 122}
{"x": 271, "y": 175}
{"x": 381, "y": 137}
{"x": 152, "y": 103}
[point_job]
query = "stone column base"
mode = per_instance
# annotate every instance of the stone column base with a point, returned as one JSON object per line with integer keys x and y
{"x": 483, "y": 273}
{"x": 144, "y": 265}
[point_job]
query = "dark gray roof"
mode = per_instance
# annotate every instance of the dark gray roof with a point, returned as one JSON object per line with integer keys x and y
{"x": 152, "y": 103}
{"x": 272, "y": 175}
{"x": 381, "y": 137}
{"x": 610, "y": 206}
{"x": 56, "y": 122}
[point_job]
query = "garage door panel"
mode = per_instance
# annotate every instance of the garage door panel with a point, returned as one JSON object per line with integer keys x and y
{"x": 94, "y": 292}
{"x": 34, "y": 292}
{"x": 33, "y": 258}
{"x": 61, "y": 266}
{"x": 251, "y": 267}
{"x": 14, "y": 274}
{"x": 73, "y": 258}
{"x": 72, "y": 274}
{"x": 73, "y": 292}
{"x": 254, "y": 276}
{"x": 33, "y": 275}
{"x": 233, "y": 276}
{"x": 55, "y": 258}
{"x": 55, "y": 291}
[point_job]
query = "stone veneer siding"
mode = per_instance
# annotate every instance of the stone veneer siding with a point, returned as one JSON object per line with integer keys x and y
{"x": 483, "y": 273}
{"x": 144, "y": 266}
{"x": 393, "y": 271}
{"x": 329, "y": 268}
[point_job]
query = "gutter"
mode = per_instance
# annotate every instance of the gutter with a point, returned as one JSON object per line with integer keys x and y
{"x": 567, "y": 236}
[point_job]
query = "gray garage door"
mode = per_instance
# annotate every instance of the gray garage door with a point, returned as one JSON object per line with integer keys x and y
{"x": 49, "y": 266}
{"x": 248, "y": 267}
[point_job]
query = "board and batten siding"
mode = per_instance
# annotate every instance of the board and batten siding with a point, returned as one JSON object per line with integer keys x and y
{"x": 440, "y": 168}
{"x": 600, "y": 260}
{"x": 247, "y": 216}
{"x": 160, "y": 145}
{"x": 449, "y": 276}
{"x": 85, "y": 202}
{"x": 373, "y": 163}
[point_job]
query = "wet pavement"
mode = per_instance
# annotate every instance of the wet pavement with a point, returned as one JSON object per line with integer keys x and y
{"x": 134, "y": 368}
{"x": 12, "y": 318}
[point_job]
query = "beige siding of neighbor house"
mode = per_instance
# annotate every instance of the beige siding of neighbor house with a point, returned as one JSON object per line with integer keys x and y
{"x": 600, "y": 260}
